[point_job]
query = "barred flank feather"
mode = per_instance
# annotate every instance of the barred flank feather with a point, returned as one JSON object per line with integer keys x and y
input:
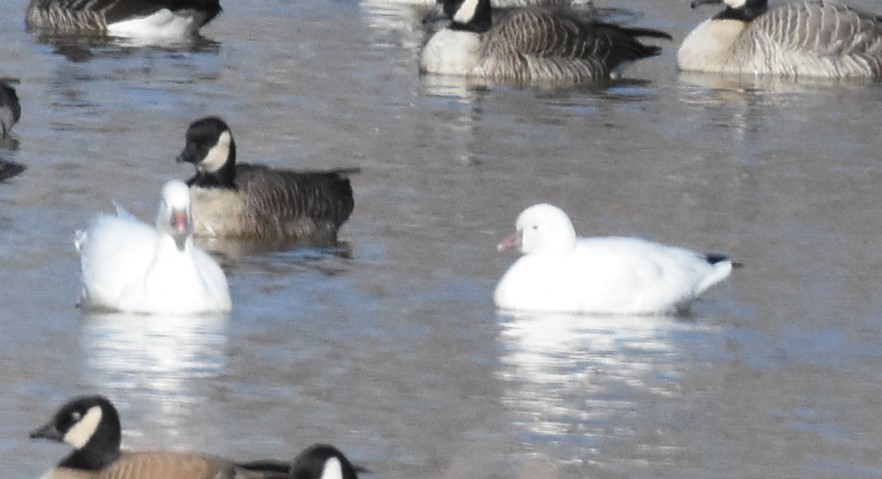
{"x": 280, "y": 203}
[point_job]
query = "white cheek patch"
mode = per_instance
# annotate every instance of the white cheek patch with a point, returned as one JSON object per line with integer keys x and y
{"x": 217, "y": 156}
{"x": 735, "y": 3}
{"x": 332, "y": 470}
{"x": 84, "y": 429}
{"x": 466, "y": 12}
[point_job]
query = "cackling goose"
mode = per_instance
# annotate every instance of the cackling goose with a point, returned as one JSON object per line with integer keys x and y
{"x": 560, "y": 272}
{"x": 812, "y": 39}
{"x": 531, "y": 45}
{"x": 91, "y": 425}
{"x": 256, "y": 201}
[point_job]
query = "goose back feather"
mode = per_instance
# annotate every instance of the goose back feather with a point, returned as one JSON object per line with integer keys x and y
{"x": 813, "y": 39}
{"x": 545, "y": 44}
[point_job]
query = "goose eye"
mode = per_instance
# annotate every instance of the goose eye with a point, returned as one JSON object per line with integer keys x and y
{"x": 76, "y": 416}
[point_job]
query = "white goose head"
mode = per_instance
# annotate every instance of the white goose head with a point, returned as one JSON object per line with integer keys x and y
{"x": 174, "y": 217}
{"x": 541, "y": 228}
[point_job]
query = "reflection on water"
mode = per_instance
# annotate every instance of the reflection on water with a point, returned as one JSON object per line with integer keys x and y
{"x": 157, "y": 359}
{"x": 570, "y": 377}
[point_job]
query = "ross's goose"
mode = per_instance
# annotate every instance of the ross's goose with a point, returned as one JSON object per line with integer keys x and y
{"x": 560, "y": 272}
{"x": 130, "y": 266}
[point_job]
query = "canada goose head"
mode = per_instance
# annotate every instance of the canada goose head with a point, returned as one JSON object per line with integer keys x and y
{"x": 174, "y": 217}
{"x": 467, "y": 15}
{"x": 541, "y": 228}
{"x": 210, "y": 146}
{"x": 745, "y": 10}
{"x": 90, "y": 424}
{"x": 322, "y": 461}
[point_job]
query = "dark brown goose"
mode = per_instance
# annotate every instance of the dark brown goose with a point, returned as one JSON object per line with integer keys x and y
{"x": 531, "y": 45}
{"x": 91, "y": 425}
{"x": 126, "y": 18}
{"x": 256, "y": 201}
{"x": 810, "y": 39}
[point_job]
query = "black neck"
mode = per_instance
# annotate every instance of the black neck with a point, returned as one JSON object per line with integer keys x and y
{"x": 747, "y": 13}
{"x": 225, "y": 177}
{"x": 98, "y": 453}
{"x": 480, "y": 22}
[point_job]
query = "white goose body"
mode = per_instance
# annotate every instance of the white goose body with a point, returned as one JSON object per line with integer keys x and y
{"x": 560, "y": 272}
{"x": 810, "y": 39}
{"x": 130, "y": 266}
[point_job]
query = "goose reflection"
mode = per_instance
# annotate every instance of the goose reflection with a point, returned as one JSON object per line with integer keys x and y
{"x": 574, "y": 378}
{"x": 157, "y": 362}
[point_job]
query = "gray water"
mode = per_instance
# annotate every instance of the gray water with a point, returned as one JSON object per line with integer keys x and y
{"x": 390, "y": 347}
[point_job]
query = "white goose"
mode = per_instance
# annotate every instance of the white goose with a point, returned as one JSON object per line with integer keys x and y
{"x": 561, "y": 272}
{"x": 130, "y": 266}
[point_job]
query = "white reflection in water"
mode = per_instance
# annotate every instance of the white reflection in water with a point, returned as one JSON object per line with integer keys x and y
{"x": 570, "y": 377}
{"x": 154, "y": 361}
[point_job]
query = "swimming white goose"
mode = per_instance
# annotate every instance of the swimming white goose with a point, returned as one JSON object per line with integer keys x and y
{"x": 130, "y": 266}
{"x": 123, "y": 18}
{"x": 561, "y": 272}
{"x": 531, "y": 45}
{"x": 91, "y": 425}
{"x": 256, "y": 201}
{"x": 811, "y": 39}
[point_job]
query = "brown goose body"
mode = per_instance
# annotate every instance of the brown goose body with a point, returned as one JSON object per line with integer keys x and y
{"x": 165, "y": 465}
{"x": 259, "y": 202}
{"x": 533, "y": 45}
{"x": 809, "y": 39}
{"x": 91, "y": 425}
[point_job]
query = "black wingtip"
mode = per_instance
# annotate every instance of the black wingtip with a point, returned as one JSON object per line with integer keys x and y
{"x": 714, "y": 258}
{"x": 649, "y": 32}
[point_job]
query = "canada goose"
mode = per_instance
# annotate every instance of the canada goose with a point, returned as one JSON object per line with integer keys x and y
{"x": 10, "y": 108}
{"x": 531, "y": 45}
{"x": 814, "y": 39}
{"x": 131, "y": 266}
{"x": 123, "y": 18}
{"x": 561, "y": 272}
{"x": 91, "y": 425}
{"x": 255, "y": 201}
